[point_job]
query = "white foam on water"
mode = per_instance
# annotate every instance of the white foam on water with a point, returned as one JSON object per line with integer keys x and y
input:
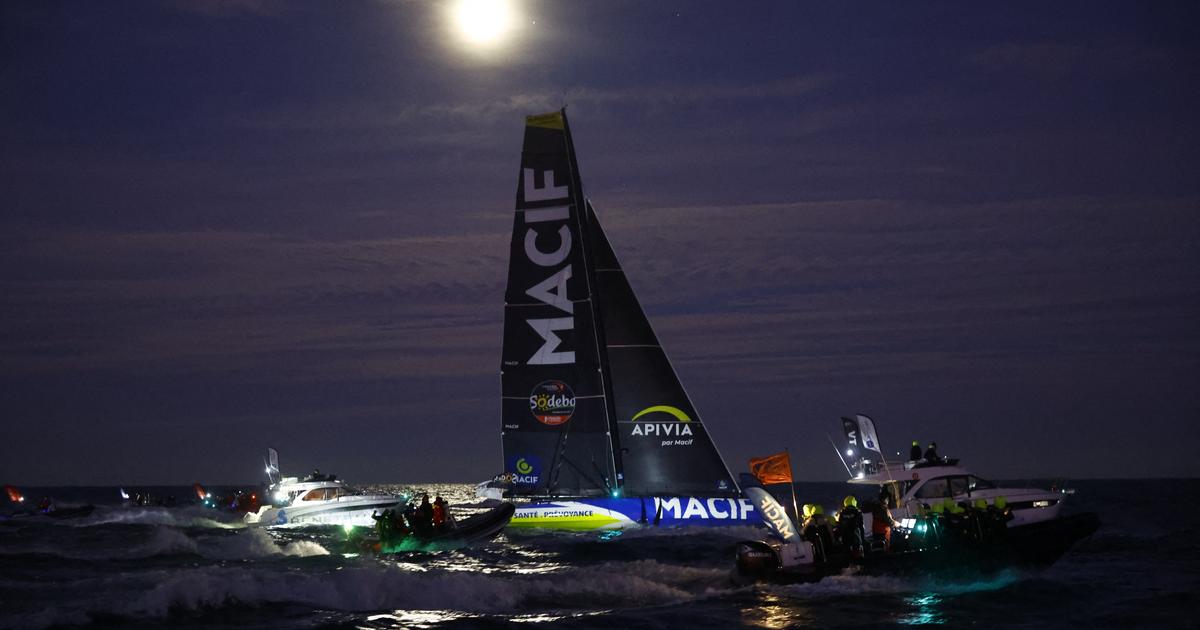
{"x": 178, "y": 517}
{"x": 848, "y": 583}
{"x": 164, "y": 541}
{"x": 387, "y": 588}
{"x": 257, "y": 543}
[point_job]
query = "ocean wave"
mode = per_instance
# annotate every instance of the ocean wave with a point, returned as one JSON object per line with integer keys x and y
{"x": 177, "y": 517}
{"x": 248, "y": 544}
{"x": 257, "y": 543}
{"x": 387, "y": 588}
{"x": 850, "y": 583}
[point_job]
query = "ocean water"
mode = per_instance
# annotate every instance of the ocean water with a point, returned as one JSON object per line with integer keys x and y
{"x": 190, "y": 567}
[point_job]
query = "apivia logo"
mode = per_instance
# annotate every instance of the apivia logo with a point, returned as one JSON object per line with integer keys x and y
{"x": 526, "y": 470}
{"x": 672, "y": 433}
{"x": 552, "y": 403}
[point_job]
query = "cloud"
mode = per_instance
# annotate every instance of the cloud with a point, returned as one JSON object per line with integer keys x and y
{"x": 224, "y": 9}
{"x": 1055, "y": 60}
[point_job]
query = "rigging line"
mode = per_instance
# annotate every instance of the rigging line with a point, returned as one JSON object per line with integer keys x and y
{"x": 839, "y": 454}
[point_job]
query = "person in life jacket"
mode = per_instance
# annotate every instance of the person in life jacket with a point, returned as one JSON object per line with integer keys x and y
{"x": 914, "y": 453}
{"x": 817, "y": 530}
{"x": 850, "y": 530}
{"x": 422, "y": 519}
{"x": 383, "y": 524}
{"x": 999, "y": 515}
{"x": 439, "y": 514}
{"x": 957, "y": 525}
{"x": 399, "y": 527}
{"x": 882, "y": 521}
{"x": 931, "y": 455}
{"x": 980, "y": 521}
{"x": 926, "y": 530}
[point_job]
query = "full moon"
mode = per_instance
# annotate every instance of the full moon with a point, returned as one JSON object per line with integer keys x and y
{"x": 484, "y": 22}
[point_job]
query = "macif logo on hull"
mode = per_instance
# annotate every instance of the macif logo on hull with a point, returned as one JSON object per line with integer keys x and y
{"x": 671, "y": 433}
{"x": 526, "y": 470}
{"x": 690, "y": 508}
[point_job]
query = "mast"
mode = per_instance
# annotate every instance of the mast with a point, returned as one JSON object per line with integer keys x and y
{"x": 586, "y": 215}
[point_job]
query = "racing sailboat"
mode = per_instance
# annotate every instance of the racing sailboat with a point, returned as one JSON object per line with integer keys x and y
{"x": 598, "y": 432}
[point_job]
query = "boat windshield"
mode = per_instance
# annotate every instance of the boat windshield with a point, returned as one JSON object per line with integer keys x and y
{"x": 976, "y": 483}
{"x": 325, "y": 494}
{"x": 942, "y": 487}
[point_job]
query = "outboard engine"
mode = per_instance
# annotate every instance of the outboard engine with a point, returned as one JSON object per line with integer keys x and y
{"x": 757, "y": 558}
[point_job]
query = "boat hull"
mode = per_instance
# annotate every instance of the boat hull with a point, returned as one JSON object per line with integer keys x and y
{"x": 1031, "y": 546}
{"x": 473, "y": 529}
{"x": 344, "y": 513}
{"x": 596, "y": 514}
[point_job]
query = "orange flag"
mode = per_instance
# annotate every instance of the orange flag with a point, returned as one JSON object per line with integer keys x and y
{"x": 14, "y": 495}
{"x": 775, "y": 468}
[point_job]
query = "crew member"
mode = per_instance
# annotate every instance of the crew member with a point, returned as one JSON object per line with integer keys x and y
{"x": 979, "y": 519}
{"x": 914, "y": 453}
{"x": 439, "y": 514}
{"x": 931, "y": 455}
{"x": 816, "y": 530}
{"x": 882, "y": 521}
{"x": 999, "y": 515}
{"x": 850, "y": 527}
{"x": 423, "y": 517}
{"x": 382, "y": 524}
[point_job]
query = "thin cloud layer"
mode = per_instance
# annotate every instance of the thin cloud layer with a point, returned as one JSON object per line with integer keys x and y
{"x": 282, "y": 216}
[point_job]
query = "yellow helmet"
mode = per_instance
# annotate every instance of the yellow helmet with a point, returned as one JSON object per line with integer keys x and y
{"x": 938, "y": 508}
{"x": 817, "y": 509}
{"x": 1001, "y": 502}
{"x": 850, "y": 500}
{"x": 807, "y": 510}
{"x": 980, "y": 504}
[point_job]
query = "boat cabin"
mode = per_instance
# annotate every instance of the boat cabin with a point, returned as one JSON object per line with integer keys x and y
{"x": 913, "y": 483}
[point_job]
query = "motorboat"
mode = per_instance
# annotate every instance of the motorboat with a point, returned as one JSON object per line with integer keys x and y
{"x": 476, "y": 528}
{"x": 317, "y": 499}
{"x": 916, "y": 485}
{"x": 45, "y": 509}
{"x": 948, "y": 521}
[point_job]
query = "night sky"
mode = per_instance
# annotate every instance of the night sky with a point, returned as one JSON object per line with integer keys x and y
{"x": 232, "y": 225}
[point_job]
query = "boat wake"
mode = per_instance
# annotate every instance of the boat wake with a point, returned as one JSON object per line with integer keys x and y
{"x": 849, "y": 584}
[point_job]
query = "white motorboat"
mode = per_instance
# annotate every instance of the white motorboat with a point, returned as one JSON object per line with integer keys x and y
{"x": 925, "y": 483}
{"x": 317, "y": 500}
{"x": 930, "y": 536}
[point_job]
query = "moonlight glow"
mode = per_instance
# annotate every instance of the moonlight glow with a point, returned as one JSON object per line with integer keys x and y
{"x": 484, "y": 22}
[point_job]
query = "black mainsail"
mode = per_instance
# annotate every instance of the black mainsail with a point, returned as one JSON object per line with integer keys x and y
{"x": 591, "y": 404}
